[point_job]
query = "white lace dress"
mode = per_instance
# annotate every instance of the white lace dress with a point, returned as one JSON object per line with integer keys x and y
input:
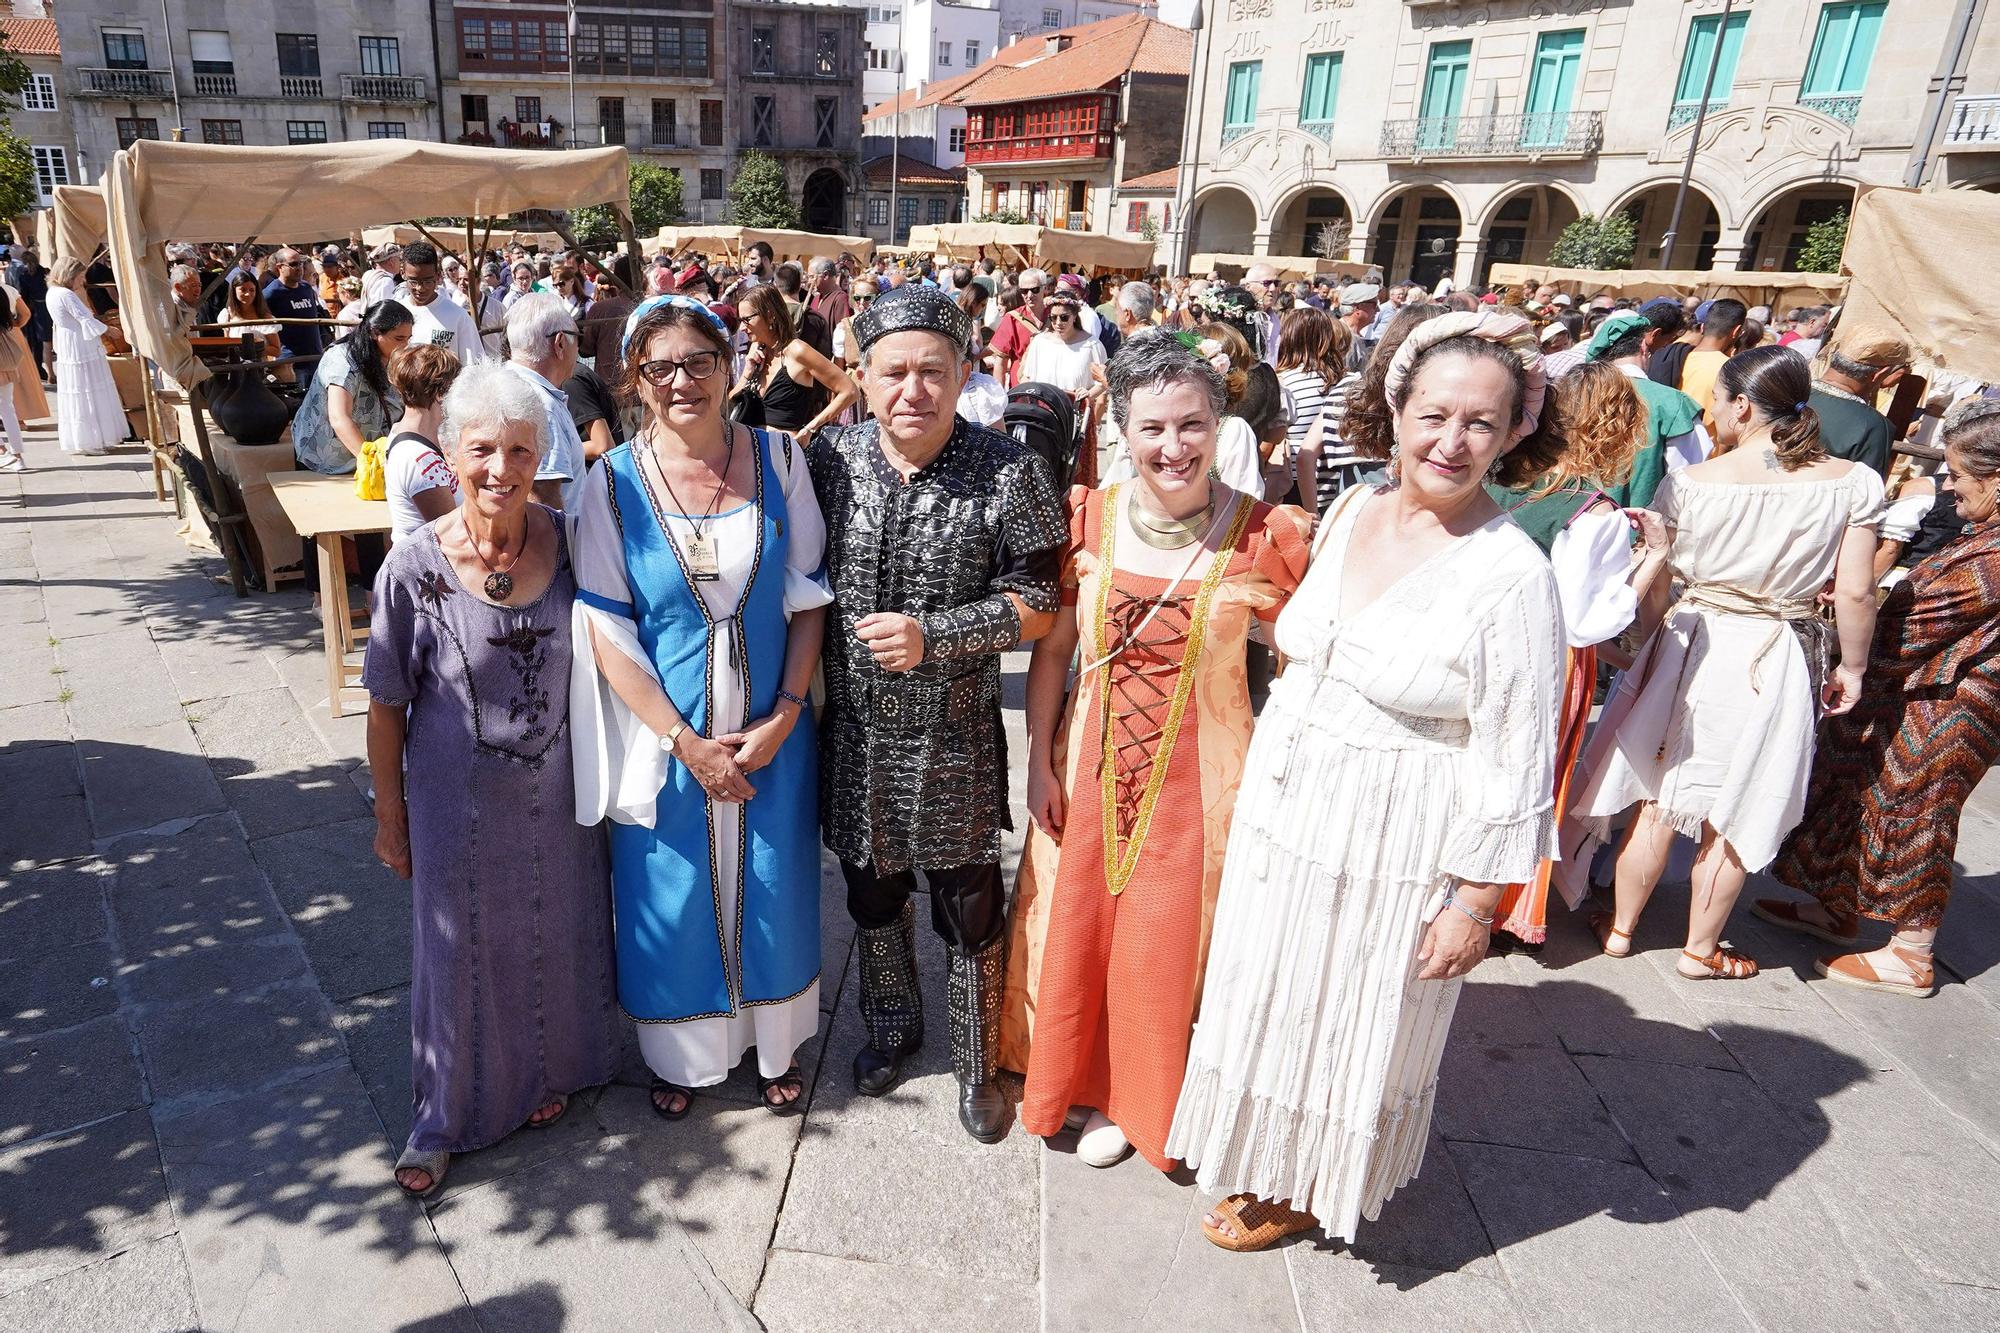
{"x": 1408, "y": 745}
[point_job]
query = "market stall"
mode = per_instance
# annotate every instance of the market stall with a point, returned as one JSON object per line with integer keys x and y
{"x": 498, "y": 238}
{"x": 1025, "y": 245}
{"x": 156, "y": 192}
{"x": 1926, "y": 268}
{"x": 1777, "y": 290}
{"x": 1291, "y": 268}
{"x": 326, "y": 510}
{"x": 732, "y": 241}
{"x": 77, "y": 224}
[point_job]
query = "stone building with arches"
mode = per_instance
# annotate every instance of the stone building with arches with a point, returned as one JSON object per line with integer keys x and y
{"x": 1437, "y": 138}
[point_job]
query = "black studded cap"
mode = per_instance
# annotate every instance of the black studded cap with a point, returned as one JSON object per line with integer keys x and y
{"x": 912, "y": 306}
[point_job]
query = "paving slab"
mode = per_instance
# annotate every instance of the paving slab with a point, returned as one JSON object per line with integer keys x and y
{"x": 216, "y": 1049}
{"x": 142, "y": 777}
{"x": 117, "y": 681}
{"x": 21, "y": 604}
{"x": 376, "y": 1029}
{"x": 818, "y": 1293}
{"x": 239, "y": 967}
{"x": 1525, "y": 1097}
{"x": 26, "y": 726}
{"x": 1620, "y": 1006}
{"x": 352, "y": 914}
{"x": 26, "y": 674}
{"x": 86, "y": 598}
{"x": 1730, "y": 1160}
{"x": 145, "y": 1289}
{"x": 1590, "y": 1244}
{"x": 589, "y": 1232}
{"x": 52, "y": 906}
{"x": 73, "y": 1198}
{"x": 1928, "y": 1040}
{"x": 191, "y": 889}
{"x": 291, "y": 1216}
{"x": 274, "y": 771}
{"x": 56, "y": 988}
{"x": 45, "y": 816}
{"x": 721, "y": 1173}
{"x": 72, "y": 1076}
{"x": 1428, "y": 1224}
{"x": 1339, "y": 1294}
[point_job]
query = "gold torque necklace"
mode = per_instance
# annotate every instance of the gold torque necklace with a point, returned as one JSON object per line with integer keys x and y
{"x": 1169, "y": 534}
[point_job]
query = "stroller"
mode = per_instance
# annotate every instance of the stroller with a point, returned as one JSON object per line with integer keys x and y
{"x": 1045, "y": 419}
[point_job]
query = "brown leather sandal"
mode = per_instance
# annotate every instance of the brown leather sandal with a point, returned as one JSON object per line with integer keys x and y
{"x": 1722, "y": 965}
{"x": 1784, "y": 913}
{"x": 1259, "y": 1223}
{"x": 1854, "y": 969}
{"x": 1604, "y": 926}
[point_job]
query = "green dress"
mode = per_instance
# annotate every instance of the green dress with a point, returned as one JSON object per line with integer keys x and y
{"x": 1669, "y": 413}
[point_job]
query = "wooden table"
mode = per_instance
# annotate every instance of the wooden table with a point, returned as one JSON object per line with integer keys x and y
{"x": 325, "y": 509}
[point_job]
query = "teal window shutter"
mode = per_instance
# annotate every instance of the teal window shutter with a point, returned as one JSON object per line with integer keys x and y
{"x": 1843, "y": 49}
{"x": 1700, "y": 49}
{"x": 1241, "y": 103}
{"x": 1322, "y": 88}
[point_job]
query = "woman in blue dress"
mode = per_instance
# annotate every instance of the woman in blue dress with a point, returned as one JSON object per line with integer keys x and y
{"x": 698, "y": 620}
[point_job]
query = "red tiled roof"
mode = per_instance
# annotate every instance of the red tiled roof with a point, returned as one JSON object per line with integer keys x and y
{"x": 1158, "y": 180}
{"x": 1097, "y": 54}
{"x": 911, "y": 99}
{"x": 31, "y": 37}
{"x": 914, "y": 171}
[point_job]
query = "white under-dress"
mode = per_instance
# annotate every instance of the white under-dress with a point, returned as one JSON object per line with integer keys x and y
{"x": 89, "y": 416}
{"x": 1714, "y": 722}
{"x": 1409, "y": 745}
{"x": 700, "y": 1052}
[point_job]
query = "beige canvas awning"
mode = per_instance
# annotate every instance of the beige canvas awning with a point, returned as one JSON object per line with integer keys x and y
{"x": 78, "y": 221}
{"x": 498, "y": 239}
{"x": 1926, "y": 268}
{"x": 1776, "y": 290}
{"x": 784, "y": 243}
{"x": 1017, "y": 243}
{"x": 158, "y": 191}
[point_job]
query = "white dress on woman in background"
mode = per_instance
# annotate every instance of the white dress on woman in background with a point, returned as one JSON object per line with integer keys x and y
{"x": 1410, "y": 744}
{"x": 89, "y": 417}
{"x": 1715, "y": 719}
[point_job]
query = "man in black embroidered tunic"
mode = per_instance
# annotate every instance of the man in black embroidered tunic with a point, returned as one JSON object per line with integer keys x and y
{"x": 943, "y": 544}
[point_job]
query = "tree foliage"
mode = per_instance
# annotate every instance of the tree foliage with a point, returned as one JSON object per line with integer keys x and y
{"x": 759, "y": 197}
{"x": 1825, "y": 241}
{"x": 18, "y": 191}
{"x": 1011, "y": 216}
{"x": 1593, "y": 242}
{"x": 656, "y": 203}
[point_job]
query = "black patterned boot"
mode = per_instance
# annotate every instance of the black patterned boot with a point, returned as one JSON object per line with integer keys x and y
{"x": 973, "y": 988}
{"x": 892, "y": 1003}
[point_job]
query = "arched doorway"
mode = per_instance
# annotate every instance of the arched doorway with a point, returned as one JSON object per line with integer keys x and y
{"x": 1524, "y": 228}
{"x": 1700, "y": 229}
{"x": 1315, "y": 223}
{"x": 825, "y": 199}
{"x": 1778, "y": 233}
{"x": 1225, "y": 222}
{"x": 1416, "y": 237}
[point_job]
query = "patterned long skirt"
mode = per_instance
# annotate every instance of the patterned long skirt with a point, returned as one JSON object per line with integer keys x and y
{"x": 1880, "y": 829}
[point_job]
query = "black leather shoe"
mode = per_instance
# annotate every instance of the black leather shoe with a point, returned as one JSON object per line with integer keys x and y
{"x": 982, "y": 1109}
{"x": 876, "y": 1073}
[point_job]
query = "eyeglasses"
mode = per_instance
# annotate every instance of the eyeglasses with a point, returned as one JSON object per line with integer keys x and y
{"x": 1062, "y": 319}
{"x": 699, "y": 366}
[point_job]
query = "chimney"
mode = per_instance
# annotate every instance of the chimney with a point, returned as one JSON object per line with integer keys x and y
{"x": 1055, "y": 42}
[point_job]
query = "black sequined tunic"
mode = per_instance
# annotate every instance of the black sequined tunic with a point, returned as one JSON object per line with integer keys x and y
{"x": 913, "y": 765}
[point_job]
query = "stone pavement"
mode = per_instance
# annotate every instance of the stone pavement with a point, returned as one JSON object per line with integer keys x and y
{"x": 204, "y": 981}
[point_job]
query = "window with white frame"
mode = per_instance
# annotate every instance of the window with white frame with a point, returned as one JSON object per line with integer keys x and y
{"x": 878, "y": 210}
{"x": 1051, "y": 18}
{"x": 944, "y": 51}
{"x": 388, "y": 129}
{"x": 305, "y": 131}
{"x": 957, "y": 138}
{"x": 40, "y": 94}
{"x": 51, "y": 170}
{"x": 971, "y": 52}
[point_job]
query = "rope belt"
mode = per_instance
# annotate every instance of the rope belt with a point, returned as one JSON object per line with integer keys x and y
{"x": 1800, "y": 614}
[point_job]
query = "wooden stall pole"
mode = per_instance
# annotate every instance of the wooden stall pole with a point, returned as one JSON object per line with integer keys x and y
{"x": 228, "y": 517}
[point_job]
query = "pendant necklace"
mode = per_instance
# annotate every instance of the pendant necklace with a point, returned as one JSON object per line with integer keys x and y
{"x": 704, "y": 562}
{"x": 499, "y": 582}
{"x": 1168, "y": 534}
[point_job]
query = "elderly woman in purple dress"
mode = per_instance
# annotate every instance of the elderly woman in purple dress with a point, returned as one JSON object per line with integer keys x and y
{"x": 512, "y": 1003}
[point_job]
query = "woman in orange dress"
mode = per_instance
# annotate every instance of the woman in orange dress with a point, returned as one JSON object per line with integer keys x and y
{"x": 1131, "y": 785}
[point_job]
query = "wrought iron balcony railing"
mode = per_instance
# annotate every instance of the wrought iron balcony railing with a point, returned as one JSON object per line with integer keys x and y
{"x": 140, "y": 83}
{"x": 1974, "y": 120}
{"x": 381, "y": 88}
{"x": 1523, "y": 134}
{"x": 1843, "y": 109}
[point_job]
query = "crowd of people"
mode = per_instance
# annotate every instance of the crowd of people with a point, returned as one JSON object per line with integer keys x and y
{"x": 1365, "y": 621}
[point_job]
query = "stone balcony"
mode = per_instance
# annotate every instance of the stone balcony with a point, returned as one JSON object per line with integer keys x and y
{"x": 1974, "y": 122}
{"x": 381, "y": 88}
{"x": 130, "y": 84}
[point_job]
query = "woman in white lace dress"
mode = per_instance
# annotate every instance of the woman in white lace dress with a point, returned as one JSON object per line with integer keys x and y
{"x": 1399, "y": 777}
{"x": 89, "y": 419}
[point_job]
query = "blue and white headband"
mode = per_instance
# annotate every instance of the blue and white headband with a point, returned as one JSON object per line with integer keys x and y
{"x": 652, "y": 303}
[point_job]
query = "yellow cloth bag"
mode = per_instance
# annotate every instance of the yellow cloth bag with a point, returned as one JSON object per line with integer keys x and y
{"x": 371, "y": 471}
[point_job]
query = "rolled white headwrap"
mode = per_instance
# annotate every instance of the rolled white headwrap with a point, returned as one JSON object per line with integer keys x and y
{"x": 1513, "y": 332}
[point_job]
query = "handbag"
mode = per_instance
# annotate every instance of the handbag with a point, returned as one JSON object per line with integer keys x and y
{"x": 371, "y": 471}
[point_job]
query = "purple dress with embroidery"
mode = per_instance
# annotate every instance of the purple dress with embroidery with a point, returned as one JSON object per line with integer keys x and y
{"x": 512, "y": 1000}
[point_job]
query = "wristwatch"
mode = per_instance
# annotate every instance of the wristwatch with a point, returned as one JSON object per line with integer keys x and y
{"x": 673, "y": 734}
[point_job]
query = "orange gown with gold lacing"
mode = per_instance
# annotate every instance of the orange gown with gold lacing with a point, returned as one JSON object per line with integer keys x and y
{"x": 1110, "y": 927}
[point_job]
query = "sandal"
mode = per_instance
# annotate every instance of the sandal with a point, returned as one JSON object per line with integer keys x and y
{"x": 790, "y": 1080}
{"x": 1259, "y": 1223}
{"x": 1603, "y": 925}
{"x": 544, "y": 1117}
{"x": 1784, "y": 913}
{"x": 1854, "y": 969}
{"x": 1722, "y": 965}
{"x": 686, "y": 1095}
{"x": 432, "y": 1164}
